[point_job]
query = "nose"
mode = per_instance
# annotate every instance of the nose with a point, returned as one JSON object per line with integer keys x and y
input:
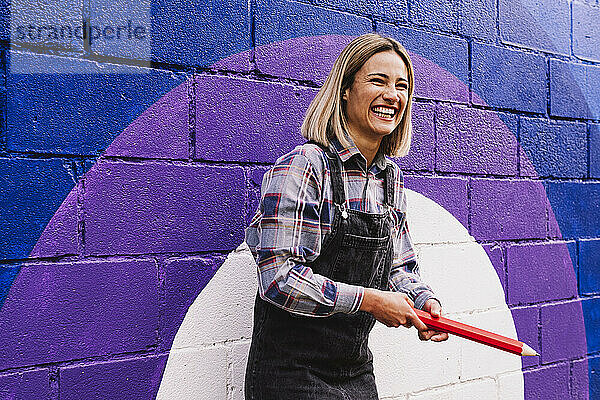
{"x": 391, "y": 94}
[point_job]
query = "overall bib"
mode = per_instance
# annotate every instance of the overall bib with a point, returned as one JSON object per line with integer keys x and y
{"x": 295, "y": 357}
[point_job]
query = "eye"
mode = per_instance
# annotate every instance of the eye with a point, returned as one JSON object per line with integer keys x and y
{"x": 378, "y": 81}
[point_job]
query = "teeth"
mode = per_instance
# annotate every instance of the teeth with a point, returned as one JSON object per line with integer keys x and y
{"x": 384, "y": 111}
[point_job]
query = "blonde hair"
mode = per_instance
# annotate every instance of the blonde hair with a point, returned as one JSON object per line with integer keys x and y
{"x": 325, "y": 117}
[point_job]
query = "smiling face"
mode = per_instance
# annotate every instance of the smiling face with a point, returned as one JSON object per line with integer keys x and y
{"x": 376, "y": 101}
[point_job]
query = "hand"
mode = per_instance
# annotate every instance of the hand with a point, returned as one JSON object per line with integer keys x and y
{"x": 391, "y": 309}
{"x": 433, "y": 307}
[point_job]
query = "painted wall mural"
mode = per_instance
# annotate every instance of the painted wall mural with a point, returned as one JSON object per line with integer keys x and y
{"x": 128, "y": 177}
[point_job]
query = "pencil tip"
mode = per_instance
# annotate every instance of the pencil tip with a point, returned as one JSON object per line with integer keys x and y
{"x": 528, "y": 351}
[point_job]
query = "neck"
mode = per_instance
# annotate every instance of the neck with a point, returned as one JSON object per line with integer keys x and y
{"x": 368, "y": 147}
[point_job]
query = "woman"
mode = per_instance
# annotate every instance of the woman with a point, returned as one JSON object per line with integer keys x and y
{"x": 330, "y": 237}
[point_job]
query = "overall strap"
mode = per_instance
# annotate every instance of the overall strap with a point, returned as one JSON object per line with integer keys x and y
{"x": 335, "y": 171}
{"x": 388, "y": 185}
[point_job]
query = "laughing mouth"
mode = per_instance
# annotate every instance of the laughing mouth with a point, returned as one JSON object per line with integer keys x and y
{"x": 384, "y": 112}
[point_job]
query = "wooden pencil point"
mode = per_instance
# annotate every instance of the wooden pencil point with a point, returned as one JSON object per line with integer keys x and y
{"x": 528, "y": 351}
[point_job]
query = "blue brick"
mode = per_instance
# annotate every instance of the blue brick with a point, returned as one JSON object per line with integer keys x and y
{"x": 594, "y": 376}
{"x": 591, "y": 316}
{"x": 436, "y": 14}
{"x": 5, "y": 20}
{"x": 538, "y": 24}
{"x": 435, "y": 48}
{"x": 278, "y": 20}
{"x": 556, "y": 149}
{"x": 28, "y": 201}
{"x": 477, "y": 18}
{"x": 79, "y": 112}
{"x": 595, "y": 150}
{"x": 576, "y": 206}
{"x": 574, "y": 90}
{"x": 586, "y": 31}
{"x": 508, "y": 78}
{"x": 393, "y": 10}
{"x": 199, "y": 32}
{"x": 589, "y": 266}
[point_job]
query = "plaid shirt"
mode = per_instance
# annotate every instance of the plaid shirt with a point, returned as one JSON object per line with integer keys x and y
{"x": 295, "y": 214}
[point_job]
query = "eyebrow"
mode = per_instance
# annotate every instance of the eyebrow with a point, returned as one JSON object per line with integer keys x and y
{"x": 384, "y": 76}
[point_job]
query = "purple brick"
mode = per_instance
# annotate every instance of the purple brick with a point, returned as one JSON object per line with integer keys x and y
{"x": 25, "y": 386}
{"x": 396, "y": 10}
{"x": 594, "y": 150}
{"x": 550, "y": 383}
{"x": 586, "y": 32}
{"x": 233, "y": 115}
{"x": 563, "y": 332}
{"x": 477, "y": 18}
{"x": 557, "y": 149}
{"x": 526, "y": 167}
{"x": 436, "y": 14}
{"x": 174, "y": 208}
{"x": 60, "y": 235}
{"x": 579, "y": 382}
{"x": 166, "y": 128}
{"x": 475, "y": 141}
{"x": 527, "y": 283}
{"x": 589, "y": 262}
{"x": 255, "y": 175}
{"x": 436, "y": 75}
{"x": 497, "y": 257}
{"x": 277, "y": 21}
{"x": 79, "y": 310}
{"x": 507, "y": 209}
{"x": 508, "y": 78}
{"x": 421, "y": 155}
{"x": 537, "y": 24}
{"x": 526, "y": 323}
{"x": 137, "y": 378}
{"x": 450, "y": 193}
{"x": 594, "y": 377}
{"x": 184, "y": 280}
{"x": 574, "y": 90}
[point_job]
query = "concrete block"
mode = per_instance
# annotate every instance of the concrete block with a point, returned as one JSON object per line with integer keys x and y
{"x": 508, "y": 78}
{"x": 510, "y": 386}
{"x": 25, "y": 385}
{"x": 238, "y": 360}
{"x": 136, "y": 378}
{"x": 543, "y": 25}
{"x": 403, "y": 363}
{"x": 195, "y": 374}
{"x": 591, "y": 315}
{"x": 475, "y": 141}
{"x": 507, "y": 209}
{"x": 450, "y": 193}
{"x": 28, "y": 203}
{"x": 61, "y": 95}
{"x": 498, "y": 258}
{"x": 176, "y": 208}
{"x": 222, "y": 311}
{"x": 477, "y": 18}
{"x": 594, "y": 367}
{"x": 422, "y": 154}
{"x": 234, "y": 116}
{"x": 200, "y": 33}
{"x": 475, "y": 357}
{"x": 255, "y": 175}
{"x": 79, "y": 310}
{"x": 563, "y": 333}
{"x": 586, "y": 32}
{"x": 557, "y": 149}
{"x": 280, "y": 20}
{"x": 547, "y": 383}
{"x": 479, "y": 389}
{"x": 589, "y": 260}
{"x": 438, "y": 14}
{"x": 527, "y": 321}
{"x": 574, "y": 90}
{"x": 396, "y": 10}
{"x": 436, "y": 76}
{"x": 579, "y": 380}
{"x": 594, "y": 130}
{"x": 577, "y": 208}
{"x": 184, "y": 279}
{"x": 528, "y": 278}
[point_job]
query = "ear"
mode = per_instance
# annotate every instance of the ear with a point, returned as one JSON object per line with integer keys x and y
{"x": 345, "y": 95}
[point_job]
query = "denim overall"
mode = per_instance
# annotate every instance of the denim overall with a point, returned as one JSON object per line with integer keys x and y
{"x": 295, "y": 357}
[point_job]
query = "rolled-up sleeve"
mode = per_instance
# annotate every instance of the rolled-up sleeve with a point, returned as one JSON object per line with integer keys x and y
{"x": 286, "y": 234}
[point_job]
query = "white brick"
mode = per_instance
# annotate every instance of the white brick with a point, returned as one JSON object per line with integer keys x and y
{"x": 475, "y": 390}
{"x": 195, "y": 374}
{"x": 238, "y": 359}
{"x": 511, "y": 386}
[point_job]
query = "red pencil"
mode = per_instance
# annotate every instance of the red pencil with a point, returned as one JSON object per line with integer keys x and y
{"x": 476, "y": 334}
